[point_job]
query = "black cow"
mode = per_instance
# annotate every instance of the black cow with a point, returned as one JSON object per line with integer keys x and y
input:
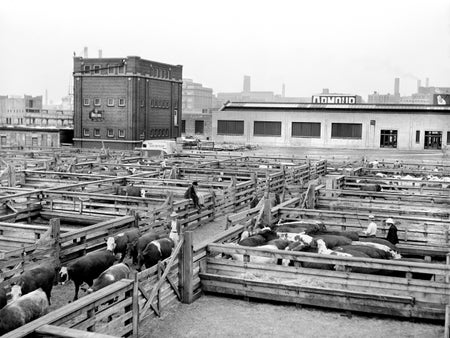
{"x": 111, "y": 275}
{"x": 156, "y": 251}
{"x": 41, "y": 276}
{"x": 261, "y": 238}
{"x": 367, "y": 250}
{"x": 332, "y": 241}
{"x": 135, "y": 249}
{"x": 123, "y": 239}
{"x": 89, "y": 267}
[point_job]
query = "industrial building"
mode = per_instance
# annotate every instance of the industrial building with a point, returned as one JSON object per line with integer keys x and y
{"x": 355, "y": 126}
{"x": 119, "y": 102}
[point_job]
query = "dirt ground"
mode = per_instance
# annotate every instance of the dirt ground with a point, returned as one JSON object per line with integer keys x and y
{"x": 217, "y": 316}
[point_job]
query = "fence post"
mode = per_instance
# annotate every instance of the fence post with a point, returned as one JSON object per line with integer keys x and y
{"x": 55, "y": 225}
{"x": 186, "y": 269}
{"x": 135, "y": 306}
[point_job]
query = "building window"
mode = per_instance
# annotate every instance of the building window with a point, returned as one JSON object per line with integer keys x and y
{"x": 306, "y": 129}
{"x": 121, "y": 102}
{"x": 85, "y": 132}
{"x": 87, "y": 69}
{"x": 433, "y": 140}
{"x": 3, "y": 140}
{"x": 346, "y": 130}
{"x": 199, "y": 126}
{"x": 388, "y": 139}
{"x": 97, "y": 132}
{"x": 175, "y": 117}
{"x": 96, "y": 69}
{"x": 97, "y": 102}
{"x": 448, "y": 137}
{"x": 34, "y": 142}
{"x": 230, "y": 127}
{"x": 183, "y": 126}
{"x": 112, "y": 69}
{"x": 121, "y": 69}
{"x": 142, "y": 103}
{"x": 417, "y": 136}
{"x": 110, "y": 102}
{"x": 266, "y": 128}
{"x": 152, "y": 103}
{"x": 121, "y": 133}
{"x": 110, "y": 133}
{"x": 86, "y": 102}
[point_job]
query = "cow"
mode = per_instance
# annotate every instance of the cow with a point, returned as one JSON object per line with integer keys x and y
{"x": 23, "y": 310}
{"x": 111, "y": 275}
{"x": 128, "y": 190}
{"x": 41, "y": 276}
{"x": 156, "y": 251}
{"x": 123, "y": 240}
{"x": 332, "y": 241}
{"x": 263, "y": 236}
{"x": 277, "y": 244}
{"x": 377, "y": 243}
{"x": 88, "y": 267}
{"x": 135, "y": 249}
{"x": 367, "y": 250}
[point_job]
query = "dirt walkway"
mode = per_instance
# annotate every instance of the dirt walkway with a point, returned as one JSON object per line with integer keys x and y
{"x": 214, "y": 316}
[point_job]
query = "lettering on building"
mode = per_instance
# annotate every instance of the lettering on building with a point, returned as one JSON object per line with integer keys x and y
{"x": 333, "y": 99}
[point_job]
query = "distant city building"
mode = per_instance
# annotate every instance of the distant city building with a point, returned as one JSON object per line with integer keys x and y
{"x": 247, "y": 95}
{"x": 25, "y": 123}
{"x": 377, "y": 98}
{"x": 119, "y": 102}
{"x": 198, "y": 103}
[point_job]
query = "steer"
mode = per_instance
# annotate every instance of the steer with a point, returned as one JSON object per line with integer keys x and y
{"x": 156, "y": 251}
{"x": 23, "y": 310}
{"x": 135, "y": 249}
{"x": 123, "y": 240}
{"x": 89, "y": 267}
{"x": 41, "y": 276}
{"x": 111, "y": 275}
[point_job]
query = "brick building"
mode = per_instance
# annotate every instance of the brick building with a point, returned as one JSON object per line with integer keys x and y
{"x": 119, "y": 102}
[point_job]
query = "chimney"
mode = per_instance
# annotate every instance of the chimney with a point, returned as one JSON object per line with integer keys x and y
{"x": 283, "y": 90}
{"x": 325, "y": 91}
{"x": 100, "y": 52}
{"x": 85, "y": 52}
{"x": 397, "y": 87}
{"x": 427, "y": 82}
{"x": 419, "y": 84}
{"x": 246, "y": 83}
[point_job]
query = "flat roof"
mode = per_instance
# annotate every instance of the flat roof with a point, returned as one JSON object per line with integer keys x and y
{"x": 400, "y": 108}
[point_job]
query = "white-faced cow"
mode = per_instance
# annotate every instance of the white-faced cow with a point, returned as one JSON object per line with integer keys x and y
{"x": 123, "y": 240}
{"x": 156, "y": 251}
{"x": 89, "y": 267}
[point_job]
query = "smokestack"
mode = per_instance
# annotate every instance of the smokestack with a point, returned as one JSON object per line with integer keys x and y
{"x": 325, "y": 91}
{"x": 427, "y": 82}
{"x": 246, "y": 83}
{"x": 85, "y": 52}
{"x": 419, "y": 84}
{"x": 46, "y": 97}
{"x": 100, "y": 52}
{"x": 283, "y": 90}
{"x": 397, "y": 87}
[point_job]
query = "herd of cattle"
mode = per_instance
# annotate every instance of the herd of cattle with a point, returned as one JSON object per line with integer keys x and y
{"x": 31, "y": 294}
{"x": 317, "y": 239}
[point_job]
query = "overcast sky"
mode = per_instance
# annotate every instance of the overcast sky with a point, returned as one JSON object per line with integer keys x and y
{"x": 348, "y": 46}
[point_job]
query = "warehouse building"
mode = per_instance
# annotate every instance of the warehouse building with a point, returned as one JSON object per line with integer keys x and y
{"x": 119, "y": 102}
{"x": 355, "y": 126}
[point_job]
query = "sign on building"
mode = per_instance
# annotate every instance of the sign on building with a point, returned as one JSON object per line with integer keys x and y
{"x": 334, "y": 99}
{"x": 441, "y": 99}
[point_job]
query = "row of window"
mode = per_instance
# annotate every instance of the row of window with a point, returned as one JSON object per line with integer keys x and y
{"x": 112, "y": 69}
{"x": 388, "y": 138}
{"x": 110, "y": 102}
{"x": 109, "y": 132}
{"x": 199, "y": 126}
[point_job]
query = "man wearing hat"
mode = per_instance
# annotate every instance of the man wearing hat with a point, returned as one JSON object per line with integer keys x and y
{"x": 371, "y": 228}
{"x": 392, "y": 232}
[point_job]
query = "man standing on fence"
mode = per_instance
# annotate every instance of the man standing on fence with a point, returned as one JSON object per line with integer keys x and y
{"x": 191, "y": 193}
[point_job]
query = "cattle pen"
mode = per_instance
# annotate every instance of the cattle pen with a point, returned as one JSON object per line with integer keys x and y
{"x": 47, "y": 213}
